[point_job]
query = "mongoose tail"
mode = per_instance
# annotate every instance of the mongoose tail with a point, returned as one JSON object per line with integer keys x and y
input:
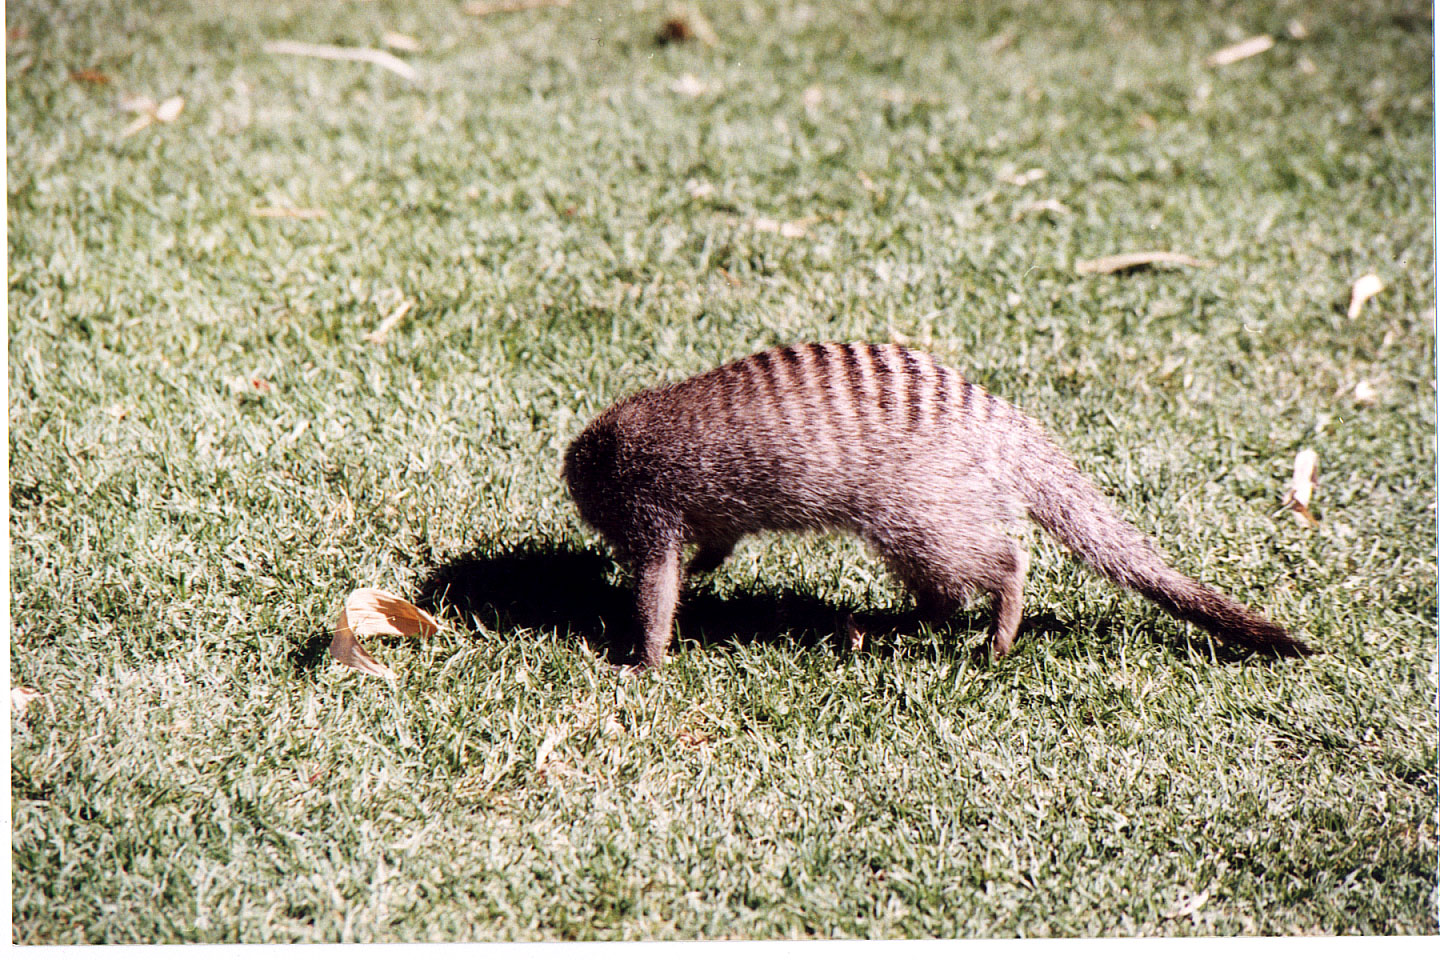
{"x": 1070, "y": 508}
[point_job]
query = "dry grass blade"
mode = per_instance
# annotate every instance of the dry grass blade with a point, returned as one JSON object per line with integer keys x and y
{"x": 548, "y": 745}
{"x": 1041, "y": 206}
{"x": 382, "y": 332}
{"x": 323, "y": 51}
{"x": 484, "y": 8}
{"x": 1131, "y": 261}
{"x": 1243, "y": 50}
{"x": 293, "y": 213}
{"x": 790, "y": 229}
{"x": 1362, "y": 290}
{"x": 369, "y": 612}
{"x": 1302, "y": 485}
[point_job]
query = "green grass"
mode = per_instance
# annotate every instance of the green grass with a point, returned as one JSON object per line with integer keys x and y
{"x": 199, "y": 770}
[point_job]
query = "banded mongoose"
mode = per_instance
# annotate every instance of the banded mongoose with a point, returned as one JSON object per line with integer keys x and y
{"x": 877, "y": 440}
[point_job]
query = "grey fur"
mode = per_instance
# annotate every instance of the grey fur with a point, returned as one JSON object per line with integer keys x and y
{"x": 877, "y": 440}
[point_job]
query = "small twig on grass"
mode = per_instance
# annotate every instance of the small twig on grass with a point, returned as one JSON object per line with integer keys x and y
{"x": 379, "y": 334}
{"x": 327, "y": 52}
{"x": 1129, "y": 261}
{"x": 483, "y": 8}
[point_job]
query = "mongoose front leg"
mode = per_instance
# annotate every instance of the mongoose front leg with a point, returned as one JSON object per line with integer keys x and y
{"x": 657, "y": 589}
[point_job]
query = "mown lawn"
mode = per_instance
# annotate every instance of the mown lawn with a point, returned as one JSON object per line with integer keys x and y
{"x": 206, "y": 455}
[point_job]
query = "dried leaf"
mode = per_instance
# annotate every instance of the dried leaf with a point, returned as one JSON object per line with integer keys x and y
{"x": 369, "y": 612}
{"x": 1240, "y": 51}
{"x": 324, "y": 51}
{"x": 1362, "y": 290}
{"x": 378, "y": 335}
{"x": 1000, "y": 41}
{"x": 1131, "y": 261}
{"x": 399, "y": 41}
{"x": 791, "y": 229}
{"x": 295, "y": 213}
{"x": 136, "y": 125}
{"x": 1021, "y": 179}
{"x": 134, "y": 103}
{"x": 685, "y": 24}
{"x": 21, "y": 698}
{"x": 167, "y": 111}
{"x": 484, "y": 8}
{"x": 689, "y": 85}
{"x": 854, "y": 634}
{"x": 1302, "y": 485}
{"x": 94, "y": 77}
{"x": 246, "y": 386}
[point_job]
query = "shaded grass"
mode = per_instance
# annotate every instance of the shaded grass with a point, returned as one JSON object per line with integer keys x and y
{"x": 199, "y": 771}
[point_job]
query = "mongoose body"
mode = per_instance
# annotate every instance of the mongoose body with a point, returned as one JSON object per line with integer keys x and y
{"x": 877, "y": 440}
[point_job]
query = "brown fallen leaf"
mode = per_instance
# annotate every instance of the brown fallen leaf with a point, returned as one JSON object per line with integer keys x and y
{"x": 484, "y": 8}
{"x": 380, "y": 333}
{"x": 21, "y": 698}
{"x": 1130, "y": 261}
{"x": 325, "y": 51}
{"x": 368, "y": 612}
{"x": 686, "y": 23}
{"x": 1243, "y": 50}
{"x": 295, "y": 213}
{"x": 1362, "y": 290}
{"x": 1301, "y": 487}
{"x": 94, "y": 77}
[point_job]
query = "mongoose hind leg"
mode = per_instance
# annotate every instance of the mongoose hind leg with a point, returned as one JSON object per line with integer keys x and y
{"x": 1009, "y": 594}
{"x": 942, "y": 570}
{"x": 709, "y": 555}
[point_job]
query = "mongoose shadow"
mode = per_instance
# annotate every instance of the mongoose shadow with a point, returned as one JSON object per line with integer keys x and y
{"x": 543, "y": 587}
